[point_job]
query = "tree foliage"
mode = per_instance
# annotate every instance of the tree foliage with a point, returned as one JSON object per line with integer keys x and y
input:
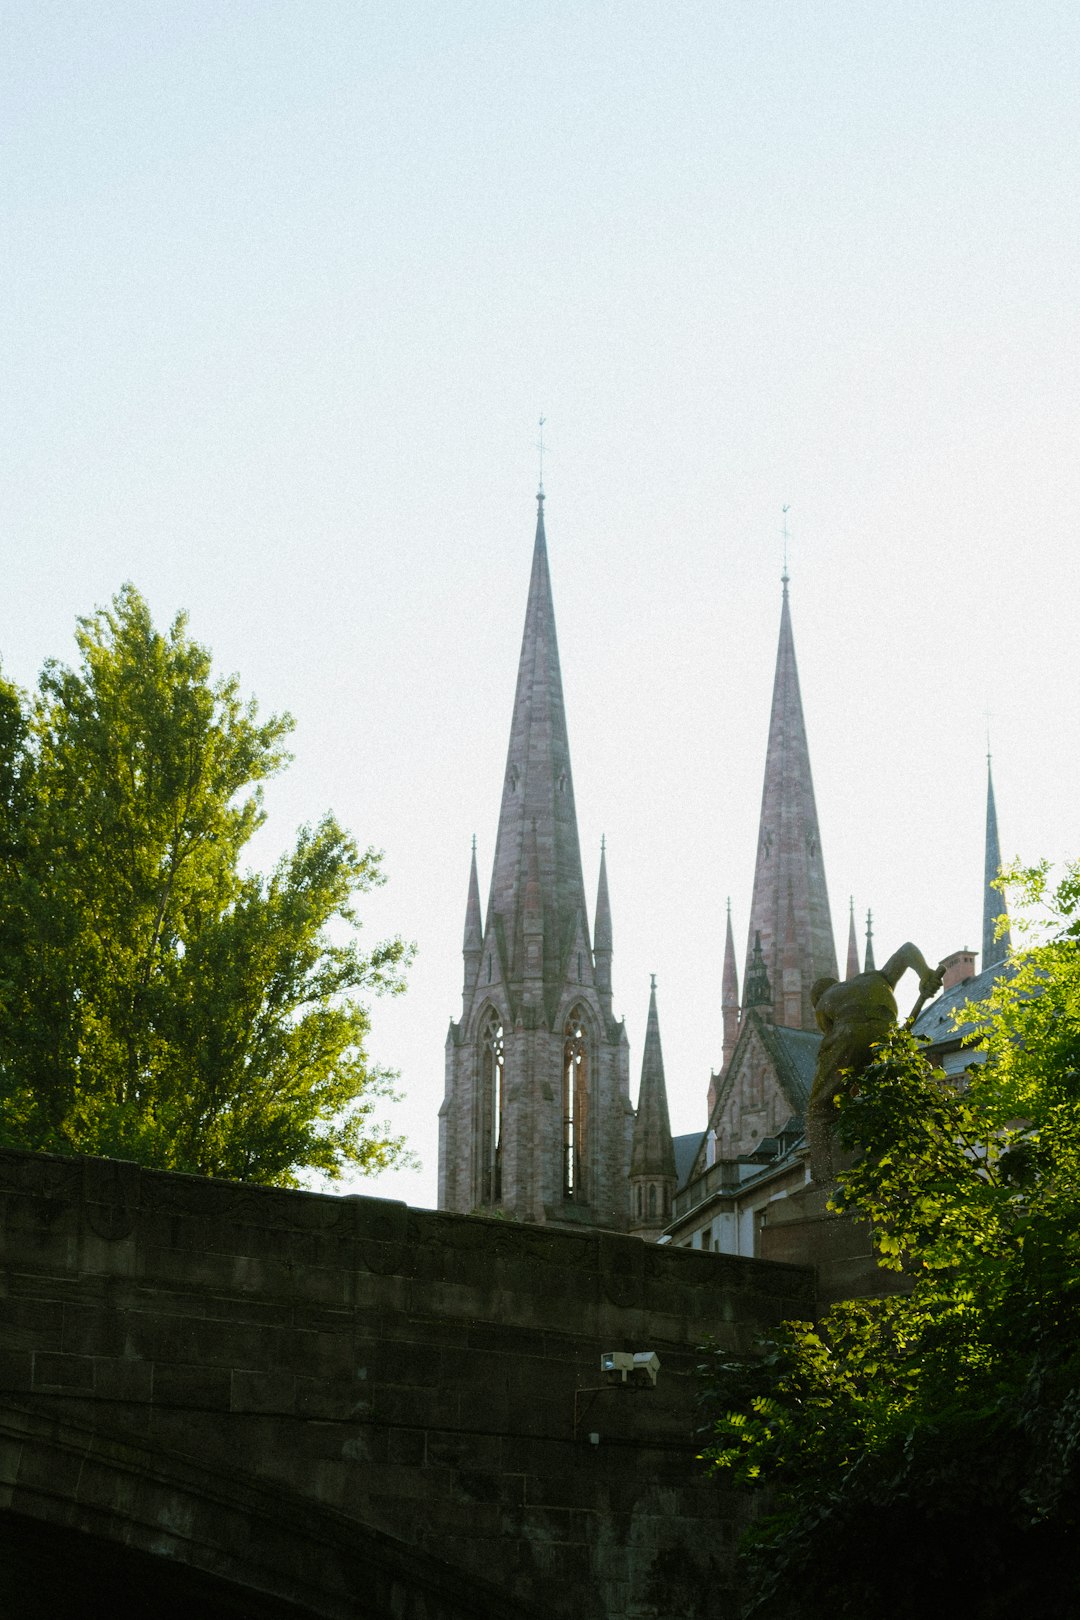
{"x": 921, "y": 1451}
{"x": 157, "y": 1002}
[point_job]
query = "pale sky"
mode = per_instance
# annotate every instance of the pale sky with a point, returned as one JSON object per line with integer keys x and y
{"x": 284, "y": 289}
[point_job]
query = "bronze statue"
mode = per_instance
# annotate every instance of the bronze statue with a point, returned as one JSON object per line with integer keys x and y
{"x": 853, "y": 1017}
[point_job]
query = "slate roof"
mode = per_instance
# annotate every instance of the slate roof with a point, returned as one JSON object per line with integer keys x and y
{"x": 796, "y": 1051}
{"x": 935, "y": 1023}
{"x": 686, "y": 1151}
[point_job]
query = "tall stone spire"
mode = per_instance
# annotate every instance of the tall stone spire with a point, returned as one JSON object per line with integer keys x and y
{"x": 652, "y": 1155}
{"x": 994, "y": 950}
{"x": 789, "y": 859}
{"x": 602, "y": 939}
{"x": 538, "y": 792}
{"x": 852, "y": 942}
{"x": 536, "y": 1119}
{"x": 869, "y": 964}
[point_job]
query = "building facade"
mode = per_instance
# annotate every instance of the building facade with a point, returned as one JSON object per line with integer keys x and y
{"x": 536, "y": 1121}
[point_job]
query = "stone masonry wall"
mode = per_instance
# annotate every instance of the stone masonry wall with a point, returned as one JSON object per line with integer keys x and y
{"x": 417, "y": 1382}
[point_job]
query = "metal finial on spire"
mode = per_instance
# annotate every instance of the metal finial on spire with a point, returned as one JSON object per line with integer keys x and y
{"x": 784, "y": 531}
{"x": 652, "y": 977}
{"x": 603, "y": 843}
{"x": 540, "y": 447}
{"x": 474, "y": 843}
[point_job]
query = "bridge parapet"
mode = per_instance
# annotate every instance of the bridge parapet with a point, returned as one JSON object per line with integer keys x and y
{"x": 412, "y": 1376}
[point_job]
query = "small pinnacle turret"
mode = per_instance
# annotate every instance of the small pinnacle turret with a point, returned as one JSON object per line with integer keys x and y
{"x": 652, "y": 1153}
{"x": 852, "y": 942}
{"x": 602, "y": 937}
{"x": 473, "y": 944}
{"x": 729, "y": 1000}
{"x": 757, "y": 991}
{"x": 994, "y": 948}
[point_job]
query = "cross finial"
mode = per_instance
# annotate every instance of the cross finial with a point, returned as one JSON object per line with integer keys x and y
{"x": 540, "y": 447}
{"x": 988, "y": 736}
{"x": 784, "y": 531}
{"x": 652, "y": 976}
{"x": 474, "y": 843}
{"x": 603, "y": 843}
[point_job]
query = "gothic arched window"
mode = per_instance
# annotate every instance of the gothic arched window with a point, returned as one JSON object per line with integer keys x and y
{"x": 576, "y": 1079}
{"x": 652, "y": 1200}
{"x": 492, "y": 1065}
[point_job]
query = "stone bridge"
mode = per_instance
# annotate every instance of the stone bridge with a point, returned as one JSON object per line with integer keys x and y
{"x": 227, "y": 1401}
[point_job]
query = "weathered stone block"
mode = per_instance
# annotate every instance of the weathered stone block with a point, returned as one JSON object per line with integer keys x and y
{"x": 63, "y": 1372}
{"x": 191, "y": 1386}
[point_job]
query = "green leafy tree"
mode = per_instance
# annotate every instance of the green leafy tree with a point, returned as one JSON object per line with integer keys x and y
{"x": 157, "y": 1002}
{"x": 920, "y": 1452}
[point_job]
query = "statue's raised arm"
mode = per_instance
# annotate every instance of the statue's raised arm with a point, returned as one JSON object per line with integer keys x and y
{"x": 910, "y": 956}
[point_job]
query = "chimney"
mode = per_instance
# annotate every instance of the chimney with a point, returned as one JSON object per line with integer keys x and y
{"x": 959, "y": 967}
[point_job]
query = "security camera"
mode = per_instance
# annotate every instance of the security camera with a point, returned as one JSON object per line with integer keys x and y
{"x": 616, "y": 1365}
{"x": 646, "y": 1366}
{"x": 638, "y": 1366}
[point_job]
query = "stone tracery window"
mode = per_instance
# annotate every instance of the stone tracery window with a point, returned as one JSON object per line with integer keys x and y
{"x": 576, "y": 1085}
{"x": 492, "y": 1069}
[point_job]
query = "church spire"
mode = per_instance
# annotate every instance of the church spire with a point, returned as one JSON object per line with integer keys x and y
{"x": 652, "y": 1153}
{"x": 789, "y": 867}
{"x": 538, "y": 796}
{"x": 536, "y": 1118}
{"x": 994, "y": 950}
{"x": 869, "y": 964}
{"x": 852, "y": 942}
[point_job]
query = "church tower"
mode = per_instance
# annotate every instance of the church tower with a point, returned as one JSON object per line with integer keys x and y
{"x": 789, "y": 913}
{"x": 536, "y": 1119}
